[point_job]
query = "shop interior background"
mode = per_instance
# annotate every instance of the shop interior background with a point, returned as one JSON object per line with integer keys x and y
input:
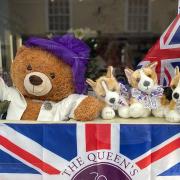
{"x": 119, "y": 32}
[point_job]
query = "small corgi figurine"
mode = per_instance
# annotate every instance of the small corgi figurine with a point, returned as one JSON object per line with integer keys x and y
{"x": 145, "y": 93}
{"x": 173, "y": 111}
{"x": 108, "y": 90}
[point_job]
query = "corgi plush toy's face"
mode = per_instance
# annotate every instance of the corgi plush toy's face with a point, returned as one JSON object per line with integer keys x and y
{"x": 106, "y": 87}
{"x": 175, "y": 85}
{"x": 143, "y": 79}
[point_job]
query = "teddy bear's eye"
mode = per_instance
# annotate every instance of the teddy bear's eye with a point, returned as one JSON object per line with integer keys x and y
{"x": 29, "y": 67}
{"x": 52, "y": 75}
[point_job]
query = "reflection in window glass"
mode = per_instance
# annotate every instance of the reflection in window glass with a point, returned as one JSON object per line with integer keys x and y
{"x": 137, "y": 15}
{"x": 119, "y": 32}
{"x": 58, "y": 12}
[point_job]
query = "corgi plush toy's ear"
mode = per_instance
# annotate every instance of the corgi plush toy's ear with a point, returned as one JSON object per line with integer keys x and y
{"x": 110, "y": 72}
{"x": 153, "y": 65}
{"x": 91, "y": 82}
{"x": 128, "y": 73}
{"x": 177, "y": 70}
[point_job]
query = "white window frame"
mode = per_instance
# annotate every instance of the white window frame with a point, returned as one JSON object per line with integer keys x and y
{"x": 126, "y": 4}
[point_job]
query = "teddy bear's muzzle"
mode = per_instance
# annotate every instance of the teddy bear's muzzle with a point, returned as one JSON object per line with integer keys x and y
{"x": 37, "y": 84}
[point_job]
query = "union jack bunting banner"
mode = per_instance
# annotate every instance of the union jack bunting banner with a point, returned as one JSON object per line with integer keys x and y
{"x": 89, "y": 152}
{"x": 166, "y": 52}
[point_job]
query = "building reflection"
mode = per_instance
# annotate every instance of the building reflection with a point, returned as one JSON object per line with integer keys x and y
{"x": 125, "y": 30}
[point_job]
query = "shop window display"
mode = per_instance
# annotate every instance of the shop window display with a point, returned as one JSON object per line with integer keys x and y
{"x": 89, "y": 89}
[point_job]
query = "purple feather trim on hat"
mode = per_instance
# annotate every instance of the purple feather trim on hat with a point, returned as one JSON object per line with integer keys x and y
{"x": 71, "y": 50}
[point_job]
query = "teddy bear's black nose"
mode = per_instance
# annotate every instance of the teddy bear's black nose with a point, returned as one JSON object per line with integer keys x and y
{"x": 35, "y": 80}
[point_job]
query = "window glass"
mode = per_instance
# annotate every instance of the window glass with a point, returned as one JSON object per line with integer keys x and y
{"x": 119, "y": 32}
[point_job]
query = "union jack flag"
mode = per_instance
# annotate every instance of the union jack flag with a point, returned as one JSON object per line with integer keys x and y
{"x": 43, "y": 151}
{"x": 166, "y": 52}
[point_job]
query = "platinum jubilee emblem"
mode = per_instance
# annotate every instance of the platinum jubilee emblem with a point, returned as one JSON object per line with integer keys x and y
{"x": 101, "y": 165}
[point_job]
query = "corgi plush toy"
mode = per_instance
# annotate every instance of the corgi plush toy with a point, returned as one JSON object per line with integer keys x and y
{"x": 110, "y": 92}
{"x": 173, "y": 110}
{"x": 145, "y": 93}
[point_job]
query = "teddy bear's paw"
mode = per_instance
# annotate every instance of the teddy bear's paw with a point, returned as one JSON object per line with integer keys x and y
{"x": 89, "y": 109}
{"x": 159, "y": 112}
{"x": 173, "y": 116}
{"x": 136, "y": 110}
{"x": 108, "y": 113}
{"x": 124, "y": 111}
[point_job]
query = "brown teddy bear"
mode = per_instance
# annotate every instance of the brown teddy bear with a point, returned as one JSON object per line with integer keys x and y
{"x": 49, "y": 82}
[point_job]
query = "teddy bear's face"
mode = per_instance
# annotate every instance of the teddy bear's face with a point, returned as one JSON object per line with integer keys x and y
{"x": 40, "y": 75}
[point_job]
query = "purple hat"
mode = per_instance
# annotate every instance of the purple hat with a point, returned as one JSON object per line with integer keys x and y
{"x": 71, "y": 50}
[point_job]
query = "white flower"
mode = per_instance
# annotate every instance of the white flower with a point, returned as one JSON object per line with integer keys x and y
{"x": 83, "y": 33}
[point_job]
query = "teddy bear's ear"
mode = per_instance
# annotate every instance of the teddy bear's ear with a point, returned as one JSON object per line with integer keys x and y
{"x": 109, "y": 72}
{"x": 177, "y": 70}
{"x": 91, "y": 82}
{"x": 128, "y": 73}
{"x": 20, "y": 50}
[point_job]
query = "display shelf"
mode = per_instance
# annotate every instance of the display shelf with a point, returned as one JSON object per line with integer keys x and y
{"x": 148, "y": 120}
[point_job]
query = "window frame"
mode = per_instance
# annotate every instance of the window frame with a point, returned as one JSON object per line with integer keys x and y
{"x": 47, "y": 14}
{"x": 126, "y": 3}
